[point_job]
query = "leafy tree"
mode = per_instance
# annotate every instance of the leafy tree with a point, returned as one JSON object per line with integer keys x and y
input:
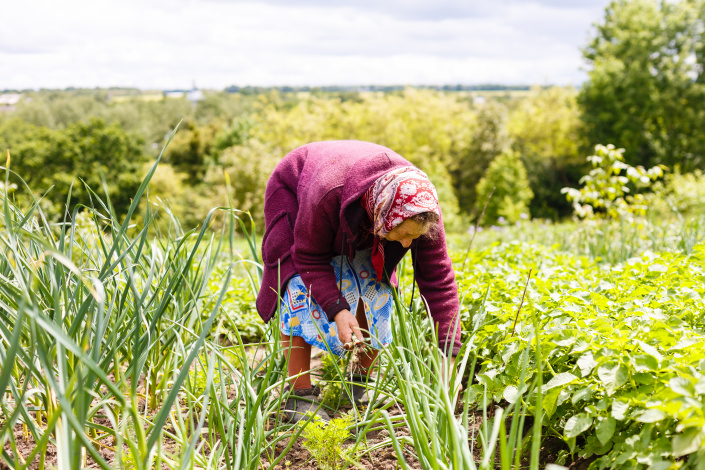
{"x": 248, "y": 167}
{"x": 169, "y": 190}
{"x": 237, "y": 133}
{"x": 424, "y": 126}
{"x": 152, "y": 120}
{"x": 221, "y": 107}
{"x": 506, "y": 175}
{"x": 58, "y": 110}
{"x": 646, "y": 90}
{"x": 47, "y": 158}
{"x": 546, "y": 132}
{"x": 190, "y": 150}
{"x": 489, "y": 139}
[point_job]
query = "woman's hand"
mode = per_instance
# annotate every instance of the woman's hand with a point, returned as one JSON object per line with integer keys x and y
{"x": 347, "y": 326}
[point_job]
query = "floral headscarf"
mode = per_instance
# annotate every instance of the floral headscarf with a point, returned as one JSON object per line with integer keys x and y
{"x": 393, "y": 198}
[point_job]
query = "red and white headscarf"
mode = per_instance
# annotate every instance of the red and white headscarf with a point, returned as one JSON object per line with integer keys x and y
{"x": 393, "y": 198}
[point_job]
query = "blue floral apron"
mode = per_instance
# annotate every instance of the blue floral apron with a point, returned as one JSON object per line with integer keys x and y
{"x": 302, "y": 316}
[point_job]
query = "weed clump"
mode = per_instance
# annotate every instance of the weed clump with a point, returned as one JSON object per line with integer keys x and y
{"x": 325, "y": 442}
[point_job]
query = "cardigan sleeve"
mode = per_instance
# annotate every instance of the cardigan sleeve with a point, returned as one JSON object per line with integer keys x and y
{"x": 436, "y": 280}
{"x": 314, "y": 238}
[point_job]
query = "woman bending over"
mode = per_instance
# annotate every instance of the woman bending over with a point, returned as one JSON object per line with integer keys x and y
{"x": 339, "y": 216}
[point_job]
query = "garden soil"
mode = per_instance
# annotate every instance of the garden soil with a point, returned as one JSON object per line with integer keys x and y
{"x": 299, "y": 458}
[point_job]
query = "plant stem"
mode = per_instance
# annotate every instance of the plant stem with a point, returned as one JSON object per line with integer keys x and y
{"x": 522, "y": 303}
{"x": 477, "y": 224}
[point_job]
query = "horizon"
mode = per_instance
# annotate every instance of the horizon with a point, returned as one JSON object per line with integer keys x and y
{"x": 450, "y": 87}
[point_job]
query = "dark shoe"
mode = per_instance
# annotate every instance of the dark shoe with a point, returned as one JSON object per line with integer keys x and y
{"x": 359, "y": 389}
{"x": 363, "y": 390}
{"x": 303, "y": 401}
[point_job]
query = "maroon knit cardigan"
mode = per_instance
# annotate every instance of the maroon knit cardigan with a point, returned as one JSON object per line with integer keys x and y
{"x": 312, "y": 209}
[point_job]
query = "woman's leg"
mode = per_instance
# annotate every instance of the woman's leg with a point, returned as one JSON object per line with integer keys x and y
{"x": 299, "y": 360}
{"x": 302, "y": 398}
{"x": 368, "y": 356}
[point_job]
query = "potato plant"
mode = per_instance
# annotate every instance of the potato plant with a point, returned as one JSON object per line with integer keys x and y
{"x": 622, "y": 346}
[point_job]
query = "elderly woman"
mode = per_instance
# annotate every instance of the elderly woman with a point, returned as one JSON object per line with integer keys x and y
{"x": 339, "y": 216}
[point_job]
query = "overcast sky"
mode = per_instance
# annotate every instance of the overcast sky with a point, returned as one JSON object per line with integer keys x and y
{"x": 216, "y": 43}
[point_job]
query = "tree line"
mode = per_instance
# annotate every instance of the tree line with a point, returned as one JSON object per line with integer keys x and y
{"x": 645, "y": 92}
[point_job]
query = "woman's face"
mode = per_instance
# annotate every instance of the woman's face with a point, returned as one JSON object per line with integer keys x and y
{"x": 405, "y": 232}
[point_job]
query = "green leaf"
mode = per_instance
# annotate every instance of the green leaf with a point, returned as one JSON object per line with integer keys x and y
{"x": 619, "y": 409}
{"x": 604, "y": 285}
{"x": 571, "y": 444}
{"x": 612, "y": 376}
{"x": 660, "y": 465}
{"x": 511, "y": 394}
{"x": 645, "y": 362}
{"x": 577, "y": 424}
{"x": 605, "y": 429}
{"x": 487, "y": 378}
{"x": 509, "y": 352}
{"x": 648, "y": 416}
{"x": 650, "y": 350}
{"x": 681, "y": 386}
{"x": 644, "y": 378}
{"x": 687, "y": 442}
{"x": 550, "y": 401}
{"x": 687, "y": 343}
{"x": 582, "y": 394}
{"x": 657, "y": 268}
{"x": 586, "y": 363}
{"x": 560, "y": 380}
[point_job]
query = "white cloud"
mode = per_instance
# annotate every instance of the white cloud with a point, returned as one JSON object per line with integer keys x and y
{"x": 167, "y": 44}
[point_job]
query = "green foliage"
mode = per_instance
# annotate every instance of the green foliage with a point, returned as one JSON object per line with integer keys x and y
{"x": 681, "y": 192}
{"x": 646, "y": 91}
{"x": 325, "y": 442}
{"x": 149, "y": 115}
{"x": 237, "y": 305}
{"x": 59, "y": 110}
{"x": 234, "y": 135}
{"x": 195, "y": 385}
{"x": 190, "y": 151}
{"x": 621, "y": 348}
{"x": 512, "y": 194}
{"x": 85, "y": 150}
{"x": 424, "y": 126}
{"x": 197, "y": 381}
{"x": 607, "y": 357}
{"x": 248, "y": 168}
{"x": 640, "y": 95}
{"x": 546, "y": 132}
{"x": 128, "y": 461}
{"x": 83, "y": 351}
{"x": 606, "y": 187}
{"x": 221, "y": 107}
{"x": 489, "y": 139}
{"x": 333, "y": 394}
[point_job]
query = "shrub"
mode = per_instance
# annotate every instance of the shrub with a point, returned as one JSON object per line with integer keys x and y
{"x": 606, "y": 188}
{"x": 683, "y": 192}
{"x": 512, "y": 194}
